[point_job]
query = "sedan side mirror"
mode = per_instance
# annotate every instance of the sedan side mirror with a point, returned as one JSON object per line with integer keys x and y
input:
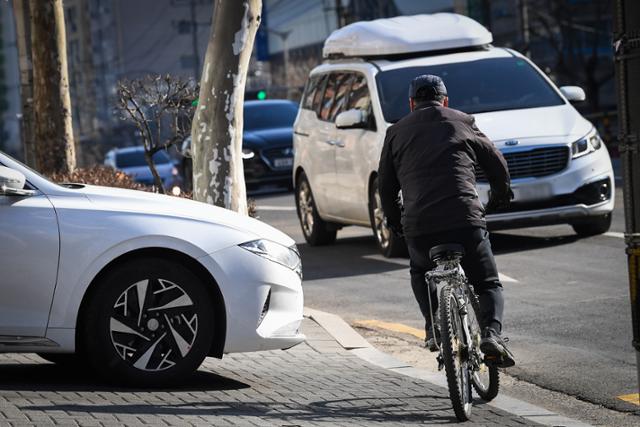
{"x": 353, "y": 118}
{"x": 573, "y": 93}
{"x": 12, "y": 183}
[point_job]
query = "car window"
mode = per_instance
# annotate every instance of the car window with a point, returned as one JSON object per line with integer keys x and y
{"x": 269, "y": 115}
{"x": 343, "y": 85}
{"x": 318, "y": 94}
{"x": 359, "y": 98}
{"x": 329, "y": 94}
{"x": 313, "y": 85}
{"x": 498, "y": 84}
{"x": 129, "y": 159}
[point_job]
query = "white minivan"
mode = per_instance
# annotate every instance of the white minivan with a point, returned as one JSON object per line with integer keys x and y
{"x": 561, "y": 172}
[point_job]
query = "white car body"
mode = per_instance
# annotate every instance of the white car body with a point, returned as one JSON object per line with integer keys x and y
{"x": 341, "y": 164}
{"x": 58, "y": 239}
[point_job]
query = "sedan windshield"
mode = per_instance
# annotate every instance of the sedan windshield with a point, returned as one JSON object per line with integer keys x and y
{"x": 132, "y": 159}
{"x": 473, "y": 87}
{"x": 269, "y": 115}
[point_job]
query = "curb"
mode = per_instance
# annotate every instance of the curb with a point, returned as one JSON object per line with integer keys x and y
{"x": 352, "y": 341}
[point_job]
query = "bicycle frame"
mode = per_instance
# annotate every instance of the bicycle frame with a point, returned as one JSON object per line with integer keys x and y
{"x": 450, "y": 271}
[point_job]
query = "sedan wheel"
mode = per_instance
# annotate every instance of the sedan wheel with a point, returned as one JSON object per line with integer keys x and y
{"x": 150, "y": 321}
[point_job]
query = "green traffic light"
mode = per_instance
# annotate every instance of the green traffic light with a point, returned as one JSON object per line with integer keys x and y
{"x": 261, "y": 95}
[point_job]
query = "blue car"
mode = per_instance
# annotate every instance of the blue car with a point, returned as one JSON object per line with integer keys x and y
{"x": 267, "y": 146}
{"x": 131, "y": 161}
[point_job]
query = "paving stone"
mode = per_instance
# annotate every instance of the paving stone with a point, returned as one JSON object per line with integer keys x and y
{"x": 315, "y": 384}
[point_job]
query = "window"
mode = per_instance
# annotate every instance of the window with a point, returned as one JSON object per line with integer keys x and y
{"x": 497, "y": 84}
{"x": 269, "y": 115}
{"x": 343, "y": 85}
{"x": 329, "y": 94}
{"x": 317, "y": 96}
{"x": 359, "y": 97}
{"x": 313, "y": 84}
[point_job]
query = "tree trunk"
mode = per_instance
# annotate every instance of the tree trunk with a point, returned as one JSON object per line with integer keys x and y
{"x": 53, "y": 132}
{"x": 23, "y": 39}
{"x": 218, "y": 174}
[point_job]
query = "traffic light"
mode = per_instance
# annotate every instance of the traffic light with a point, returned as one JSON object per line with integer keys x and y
{"x": 261, "y": 95}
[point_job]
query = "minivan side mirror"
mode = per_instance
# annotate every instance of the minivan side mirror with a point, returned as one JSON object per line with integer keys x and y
{"x": 12, "y": 183}
{"x": 353, "y": 118}
{"x": 573, "y": 93}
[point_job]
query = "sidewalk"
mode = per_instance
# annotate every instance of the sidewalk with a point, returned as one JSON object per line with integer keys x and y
{"x": 316, "y": 383}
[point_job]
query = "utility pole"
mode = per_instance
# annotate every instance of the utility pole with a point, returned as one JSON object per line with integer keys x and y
{"x": 627, "y": 59}
{"x": 339, "y": 14}
{"x": 23, "y": 39}
{"x": 284, "y": 37}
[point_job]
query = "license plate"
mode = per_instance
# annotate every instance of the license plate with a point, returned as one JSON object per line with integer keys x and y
{"x": 527, "y": 192}
{"x": 283, "y": 163}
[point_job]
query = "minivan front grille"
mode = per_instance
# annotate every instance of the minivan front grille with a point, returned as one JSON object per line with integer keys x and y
{"x": 534, "y": 163}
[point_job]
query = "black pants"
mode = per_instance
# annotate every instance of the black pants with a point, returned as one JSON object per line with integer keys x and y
{"x": 478, "y": 264}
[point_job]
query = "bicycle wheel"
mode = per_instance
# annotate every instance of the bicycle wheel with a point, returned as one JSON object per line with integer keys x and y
{"x": 485, "y": 379}
{"x": 456, "y": 360}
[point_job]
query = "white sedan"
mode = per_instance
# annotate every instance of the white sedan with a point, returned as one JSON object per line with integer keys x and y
{"x": 141, "y": 286}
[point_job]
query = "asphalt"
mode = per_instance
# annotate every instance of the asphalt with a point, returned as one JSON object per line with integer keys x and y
{"x": 567, "y": 309}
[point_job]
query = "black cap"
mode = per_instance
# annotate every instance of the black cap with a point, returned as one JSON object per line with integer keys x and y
{"x": 427, "y": 86}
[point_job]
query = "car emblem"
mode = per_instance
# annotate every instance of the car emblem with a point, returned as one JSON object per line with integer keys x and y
{"x": 512, "y": 142}
{"x": 288, "y": 151}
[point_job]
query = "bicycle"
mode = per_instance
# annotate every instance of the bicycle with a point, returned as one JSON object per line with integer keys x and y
{"x": 459, "y": 349}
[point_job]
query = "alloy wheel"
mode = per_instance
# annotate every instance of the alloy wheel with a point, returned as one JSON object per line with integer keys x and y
{"x": 305, "y": 206}
{"x": 153, "y": 324}
{"x": 383, "y": 234}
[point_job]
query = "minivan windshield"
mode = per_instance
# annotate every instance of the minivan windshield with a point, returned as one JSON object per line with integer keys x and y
{"x": 479, "y": 86}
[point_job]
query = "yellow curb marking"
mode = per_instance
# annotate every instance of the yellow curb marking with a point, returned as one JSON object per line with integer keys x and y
{"x": 394, "y": 327}
{"x": 633, "y": 398}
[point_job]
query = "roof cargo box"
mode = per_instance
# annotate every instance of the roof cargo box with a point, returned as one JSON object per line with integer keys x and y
{"x": 406, "y": 35}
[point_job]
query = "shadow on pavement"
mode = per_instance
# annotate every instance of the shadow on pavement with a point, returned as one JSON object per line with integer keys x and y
{"x": 356, "y": 256}
{"x": 351, "y": 256}
{"x": 50, "y": 377}
{"x": 417, "y": 409}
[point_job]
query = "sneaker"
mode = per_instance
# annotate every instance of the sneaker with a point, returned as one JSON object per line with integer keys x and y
{"x": 432, "y": 343}
{"x": 494, "y": 349}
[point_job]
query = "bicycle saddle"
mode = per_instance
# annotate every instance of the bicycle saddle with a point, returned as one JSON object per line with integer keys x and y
{"x": 448, "y": 250}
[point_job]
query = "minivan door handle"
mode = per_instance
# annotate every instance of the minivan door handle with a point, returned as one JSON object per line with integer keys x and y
{"x": 330, "y": 142}
{"x": 336, "y": 143}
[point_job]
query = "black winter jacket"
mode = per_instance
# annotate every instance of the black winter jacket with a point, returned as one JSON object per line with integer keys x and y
{"x": 431, "y": 155}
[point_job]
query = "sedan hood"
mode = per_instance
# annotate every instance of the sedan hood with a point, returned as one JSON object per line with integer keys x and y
{"x": 562, "y": 122}
{"x": 122, "y": 200}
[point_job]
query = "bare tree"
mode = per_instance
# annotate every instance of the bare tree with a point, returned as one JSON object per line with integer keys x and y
{"x": 218, "y": 175}
{"x": 23, "y": 39}
{"x": 53, "y": 131}
{"x": 161, "y": 108}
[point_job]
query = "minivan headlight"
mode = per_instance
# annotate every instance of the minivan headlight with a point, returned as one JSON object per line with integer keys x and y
{"x": 287, "y": 256}
{"x": 586, "y": 145}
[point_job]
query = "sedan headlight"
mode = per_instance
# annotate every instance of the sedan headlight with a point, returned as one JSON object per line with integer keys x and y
{"x": 586, "y": 145}
{"x": 287, "y": 256}
{"x": 248, "y": 154}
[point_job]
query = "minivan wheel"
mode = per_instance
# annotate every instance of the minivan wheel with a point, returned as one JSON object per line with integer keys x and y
{"x": 316, "y": 231}
{"x": 593, "y": 226}
{"x": 149, "y": 322}
{"x": 390, "y": 245}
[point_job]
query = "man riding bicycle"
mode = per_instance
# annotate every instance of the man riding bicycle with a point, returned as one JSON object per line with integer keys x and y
{"x": 431, "y": 156}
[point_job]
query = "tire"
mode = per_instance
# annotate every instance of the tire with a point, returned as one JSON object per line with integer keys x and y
{"x": 156, "y": 342}
{"x": 593, "y": 226}
{"x": 389, "y": 245}
{"x": 316, "y": 231}
{"x": 486, "y": 381}
{"x": 456, "y": 368}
